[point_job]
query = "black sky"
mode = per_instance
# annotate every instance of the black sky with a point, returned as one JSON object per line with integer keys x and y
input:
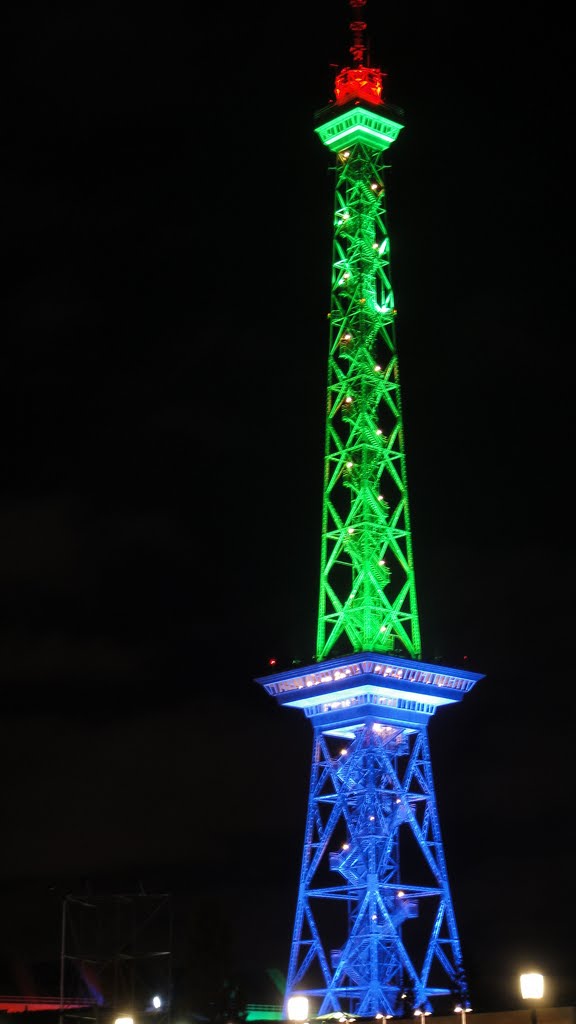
{"x": 166, "y": 220}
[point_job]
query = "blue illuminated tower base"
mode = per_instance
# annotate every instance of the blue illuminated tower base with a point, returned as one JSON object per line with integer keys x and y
{"x": 374, "y": 920}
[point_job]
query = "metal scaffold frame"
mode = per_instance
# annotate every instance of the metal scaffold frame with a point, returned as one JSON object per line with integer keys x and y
{"x": 116, "y": 956}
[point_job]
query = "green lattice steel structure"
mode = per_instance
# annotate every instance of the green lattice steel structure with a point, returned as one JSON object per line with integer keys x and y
{"x": 367, "y": 583}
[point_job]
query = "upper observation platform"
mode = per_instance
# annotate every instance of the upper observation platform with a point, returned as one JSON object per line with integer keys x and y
{"x": 341, "y": 694}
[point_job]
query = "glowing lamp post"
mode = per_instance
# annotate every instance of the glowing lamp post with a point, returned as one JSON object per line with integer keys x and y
{"x": 298, "y": 1009}
{"x": 421, "y": 1014}
{"x": 532, "y": 988}
{"x": 462, "y": 1010}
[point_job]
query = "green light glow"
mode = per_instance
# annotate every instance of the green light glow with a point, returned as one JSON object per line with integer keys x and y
{"x": 359, "y": 125}
{"x": 367, "y": 583}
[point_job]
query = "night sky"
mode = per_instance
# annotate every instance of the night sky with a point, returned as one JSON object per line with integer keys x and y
{"x": 166, "y": 224}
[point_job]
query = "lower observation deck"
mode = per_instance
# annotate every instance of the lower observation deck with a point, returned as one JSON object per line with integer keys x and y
{"x": 342, "y": 694}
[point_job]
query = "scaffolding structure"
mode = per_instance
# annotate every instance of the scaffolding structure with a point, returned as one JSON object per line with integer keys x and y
{"x": 115, "y": 958}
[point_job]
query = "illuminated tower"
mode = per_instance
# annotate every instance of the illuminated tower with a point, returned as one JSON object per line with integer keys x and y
{"x": 374, "y": 920}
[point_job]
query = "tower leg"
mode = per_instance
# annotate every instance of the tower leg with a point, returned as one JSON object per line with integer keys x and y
{"x": 373, "y": 879}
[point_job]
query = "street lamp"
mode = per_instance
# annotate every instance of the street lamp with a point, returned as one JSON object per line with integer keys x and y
{"x": 421, "y": 1013}
{"x": 298, "y": 1008}
{"x": 531, "y": 988}
{"x": 462, "y": 1010}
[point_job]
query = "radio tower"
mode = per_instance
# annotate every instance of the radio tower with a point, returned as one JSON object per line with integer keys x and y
{"x": 374, "y": 931}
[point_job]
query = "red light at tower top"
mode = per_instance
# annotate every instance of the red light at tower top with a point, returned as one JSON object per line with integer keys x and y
{"x": 358, "y": 82}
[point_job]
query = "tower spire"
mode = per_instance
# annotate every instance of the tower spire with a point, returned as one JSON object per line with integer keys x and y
{"x": 367, "y": 594}
{"x": 359, "y": 82}
{"x": 358, "y": 29}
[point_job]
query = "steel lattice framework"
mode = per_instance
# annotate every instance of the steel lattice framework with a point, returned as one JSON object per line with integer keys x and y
{"x": 374, "y": 921}
{"x": 363, "y": 790}
{"x": 367, "y": 585}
